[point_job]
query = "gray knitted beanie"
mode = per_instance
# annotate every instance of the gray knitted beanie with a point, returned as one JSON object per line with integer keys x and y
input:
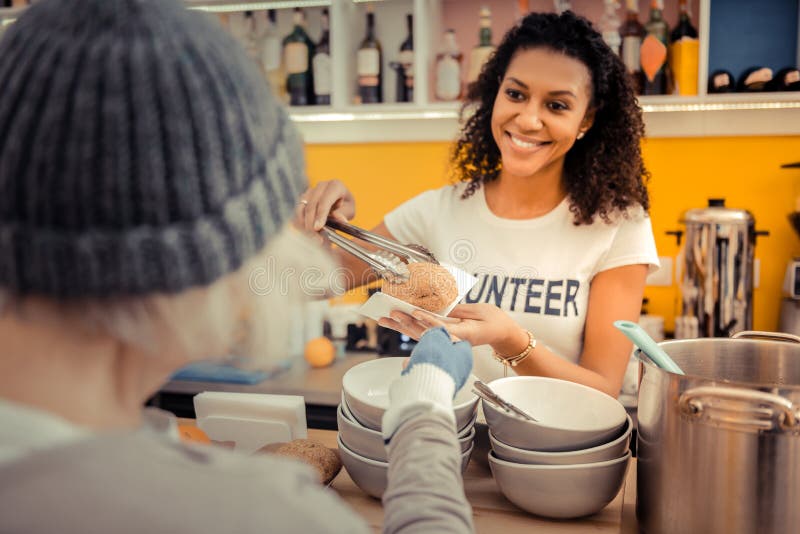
{"x": 140, "y": 151}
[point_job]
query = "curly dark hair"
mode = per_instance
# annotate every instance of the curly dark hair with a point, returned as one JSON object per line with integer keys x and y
{"x": 603, "y": 172}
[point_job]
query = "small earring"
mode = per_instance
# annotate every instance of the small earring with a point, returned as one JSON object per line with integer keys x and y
{"x": 580, "y": 135}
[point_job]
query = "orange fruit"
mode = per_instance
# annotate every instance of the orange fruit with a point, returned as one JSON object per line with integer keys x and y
{"x": 190, "y": 433}
{"x": 320, "y": 352}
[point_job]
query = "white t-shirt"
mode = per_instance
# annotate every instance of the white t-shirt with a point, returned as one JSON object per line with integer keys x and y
{"x": 538, "y": 270}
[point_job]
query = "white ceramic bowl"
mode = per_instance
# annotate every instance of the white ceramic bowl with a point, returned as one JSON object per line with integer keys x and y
{"x": 366, "y": 390}
{"x": 467, "y": 440}
{"x": 371, "y": 475}
{"x": 461, "y": 433}
{"x": 360, "y": 439}
{"x": 468, "y": 429}
{"x": 369, "y": 443}
{"x": 570, "y": 416}
{"x": 601, "y": 453}
{"x": 560, "y": 491}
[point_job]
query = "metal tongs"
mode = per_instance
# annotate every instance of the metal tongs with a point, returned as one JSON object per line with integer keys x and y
{"x": 389, "y": 261}
{"x": 489, "y": 395}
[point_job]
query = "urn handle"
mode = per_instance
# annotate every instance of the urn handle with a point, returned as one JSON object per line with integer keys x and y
{"x": 740, "y": 408}
{"x": 771, "y": 336}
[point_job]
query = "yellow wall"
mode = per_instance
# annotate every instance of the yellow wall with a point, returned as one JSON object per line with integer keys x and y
{"x": 746, "y": 171}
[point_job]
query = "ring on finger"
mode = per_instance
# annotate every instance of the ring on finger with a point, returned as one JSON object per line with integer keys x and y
{"x": 304, "y": 202}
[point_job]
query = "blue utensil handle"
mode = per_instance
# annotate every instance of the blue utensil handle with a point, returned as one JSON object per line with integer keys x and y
{"x": 641, "y": 339}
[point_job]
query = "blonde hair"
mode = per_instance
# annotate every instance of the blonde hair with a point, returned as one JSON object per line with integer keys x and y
{"x": 245, "y": 312}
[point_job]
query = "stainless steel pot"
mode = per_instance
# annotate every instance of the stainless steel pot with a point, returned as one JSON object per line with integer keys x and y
{"x": 719, "y": 448}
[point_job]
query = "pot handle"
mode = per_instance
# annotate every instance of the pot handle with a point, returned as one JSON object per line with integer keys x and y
{"x": 772, "y": 336}
{"x": 695, "y": 402}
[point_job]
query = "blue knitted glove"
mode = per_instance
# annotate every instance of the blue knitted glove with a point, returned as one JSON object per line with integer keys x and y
{"x": 436, "y": 347}
{"x": 438, "y": 368}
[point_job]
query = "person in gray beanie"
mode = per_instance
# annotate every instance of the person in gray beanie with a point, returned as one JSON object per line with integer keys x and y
{"x": 145, "y": 174}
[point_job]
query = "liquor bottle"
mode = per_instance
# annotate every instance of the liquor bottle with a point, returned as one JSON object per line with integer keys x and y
{"x": 448, "y": 68}
{"x": 271, "y": 58}
{"x": 3, "y": 24}
{"x": 240, "y": 26}
{"x": 370, "y": 64}
{"x": 684, "y": 51}
{"x": 654, "y": 50}
{"x": 754, "y": 80}
{"x": 609, "y": 25}
{"x": 405, "y": 73}
{"x": 297, "y": 53}
{"x": 632, "y": 33}
{"x": 787, "y": 79}
{"x": 480, "y": 54}
{"x": 721, "y": 81}
{"x": 321, "y": 65}
{"x": 523, "y": 8}
{"x": 562, "y": 5}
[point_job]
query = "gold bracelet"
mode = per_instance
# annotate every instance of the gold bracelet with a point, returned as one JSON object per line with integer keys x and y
{"x": 513, "y": 361}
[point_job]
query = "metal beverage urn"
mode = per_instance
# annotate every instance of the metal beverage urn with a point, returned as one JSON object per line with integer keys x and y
{"x": 789, "y": 321}
{"x": 790, "y": 304}
{"x": 716, "y": 271}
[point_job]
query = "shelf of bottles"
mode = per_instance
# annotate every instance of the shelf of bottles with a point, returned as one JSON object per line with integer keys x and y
{"x": 396, "y": 70}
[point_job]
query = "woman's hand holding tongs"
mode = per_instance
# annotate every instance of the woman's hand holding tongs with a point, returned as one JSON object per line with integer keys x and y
{"x": 326, "y": 199}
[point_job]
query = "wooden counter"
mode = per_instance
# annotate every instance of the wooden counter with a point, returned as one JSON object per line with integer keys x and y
{"x": 492, "y": 513}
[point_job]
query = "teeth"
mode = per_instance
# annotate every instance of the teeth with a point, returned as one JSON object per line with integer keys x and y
{"x": 522, "y": 144}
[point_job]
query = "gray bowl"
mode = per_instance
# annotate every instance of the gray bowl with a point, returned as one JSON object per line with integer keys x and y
{"x": 371, "y": 475}
{"x": 570, "y": 416}
{"x": 369, "y": 443}
{"x": 360, "y": 439}
{"x": 600, "y": 453}
{"x": 461, "y": 432}
{"x": 560, "y": 491}
{"x": 468, "y": 428}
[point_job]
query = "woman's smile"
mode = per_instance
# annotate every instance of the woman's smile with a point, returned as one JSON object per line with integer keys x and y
{"x": 526, "y": 144}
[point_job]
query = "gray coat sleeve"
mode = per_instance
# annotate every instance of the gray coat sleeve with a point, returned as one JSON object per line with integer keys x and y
{"x": 133, "y": 484}
{"x": 426, "y": 492}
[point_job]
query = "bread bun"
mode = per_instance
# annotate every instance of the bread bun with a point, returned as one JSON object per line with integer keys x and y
{"x": 315, "y": 454}
{"x": 429, "y": 286}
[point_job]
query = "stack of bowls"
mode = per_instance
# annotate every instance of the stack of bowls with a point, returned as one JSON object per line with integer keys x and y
{"x": 365, "y": 397}
{"x": 572, "y": 461}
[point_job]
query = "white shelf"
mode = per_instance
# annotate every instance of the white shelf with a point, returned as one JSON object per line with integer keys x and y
{"x": 378, "y": 123}
{"x": 712, "y": 115}
{"x": 665, "y": 116}
{"x": 230, "y": 6}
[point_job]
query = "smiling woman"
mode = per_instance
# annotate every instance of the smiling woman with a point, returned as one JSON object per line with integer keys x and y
{"x": 552, "y": 202}
{"x": 563, "y": 80}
